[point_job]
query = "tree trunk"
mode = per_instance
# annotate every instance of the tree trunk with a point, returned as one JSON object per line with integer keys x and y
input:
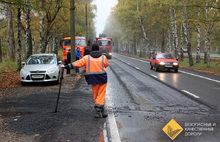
{"x": 142, "y": 26}
{"x": 156, "y": 39}
{"x": 0, "y": 50}
{"x": 189, "y": 45}
{"x": 41, "y": 29}
{"x": 135, "y": 46}
{"x": 206, "y": 33}
{"x": 188, "y": 35}
{"x": 72, "y": 31}
{"x": 11, "y": 34}
{"x": 198, "y": 40}
{"x": 33, "y": 44}
{"x": 163, "y": 42}
{"x": 28, "y": 43}
{"x": 19, "y": 39}
{"x": 169, "y": 40}
{"x": 181, "y": 43}
{"x": 174, "y": 28}
{"x": 172, "y": 25}
{"x": 55, "y": 45}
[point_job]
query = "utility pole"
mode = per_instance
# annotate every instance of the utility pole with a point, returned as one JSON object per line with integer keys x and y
{"x": 86, "y": 24}
{"x": 72, "y": 27}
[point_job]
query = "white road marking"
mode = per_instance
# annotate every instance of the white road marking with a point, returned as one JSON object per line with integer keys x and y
{"x": 154, "y": 76}
{"x": 200, "y": 76}
{"x": 137, "y": 68}
{"x": 128, "y": 63}
{"x": 110, "y": 121}
{"x": 113, "y": 128}
{"x": 191, "y": 94}
{"x": 105, "y": 135}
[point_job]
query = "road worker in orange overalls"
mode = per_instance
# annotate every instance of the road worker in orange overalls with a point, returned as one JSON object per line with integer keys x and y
{"x": 95, "y": 75}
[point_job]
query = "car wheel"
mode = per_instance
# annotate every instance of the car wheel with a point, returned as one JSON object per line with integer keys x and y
{"x": 176, "y": 70}
{"x": 151, "y": 67}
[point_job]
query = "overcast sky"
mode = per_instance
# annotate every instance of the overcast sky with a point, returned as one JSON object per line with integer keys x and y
{"x": 103, "y": 12}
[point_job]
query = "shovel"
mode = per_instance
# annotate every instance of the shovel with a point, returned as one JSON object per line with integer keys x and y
{"x": 58, "y": 96}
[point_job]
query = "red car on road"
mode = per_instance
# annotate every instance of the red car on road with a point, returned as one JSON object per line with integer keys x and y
{"x": 164, "y": 61}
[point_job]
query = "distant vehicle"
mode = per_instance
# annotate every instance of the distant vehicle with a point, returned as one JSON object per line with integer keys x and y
{"x": 41, "y": 68}
{"x": 105, "y": 45}
{"x": 164, "y": 61}
{"x": 80, "y": 41}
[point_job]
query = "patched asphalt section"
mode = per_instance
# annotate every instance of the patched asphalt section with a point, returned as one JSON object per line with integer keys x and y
{"x": 27, "y": 114}
{"x": 142, "y": 111}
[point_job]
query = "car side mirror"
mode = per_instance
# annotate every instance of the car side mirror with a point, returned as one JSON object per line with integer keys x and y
{"x": 23, "y": 63}
{"x": 154, "y": 58}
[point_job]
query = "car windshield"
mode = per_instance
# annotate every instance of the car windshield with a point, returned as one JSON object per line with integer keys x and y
{"x": 104, "y": 43}
{"x": 81, "y": 42}
{"x": 165, "y": 56}
{"x": 41, "y": 60}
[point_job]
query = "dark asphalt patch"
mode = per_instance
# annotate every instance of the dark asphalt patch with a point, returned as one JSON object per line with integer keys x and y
{"x": 28, "y": 114}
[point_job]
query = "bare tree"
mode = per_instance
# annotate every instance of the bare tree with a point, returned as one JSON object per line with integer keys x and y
{"x": 28, "y": 42}
{"x": 19, "y": 38}
{"x": 188, "y": 35}
{"x": 174, "y": 29}
{"x": 10, "y": 34}
{"x": 198, "y": 40}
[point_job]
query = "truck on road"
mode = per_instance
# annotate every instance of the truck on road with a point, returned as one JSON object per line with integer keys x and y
{"x": 105, "y": 45}
{"x": 80, "y": 41}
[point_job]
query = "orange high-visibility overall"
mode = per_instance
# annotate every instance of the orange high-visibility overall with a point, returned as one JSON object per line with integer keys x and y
{"x": 95, "y": 75}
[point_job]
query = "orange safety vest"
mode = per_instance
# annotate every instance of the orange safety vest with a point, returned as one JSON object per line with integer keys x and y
{"x": 95, "y": 69}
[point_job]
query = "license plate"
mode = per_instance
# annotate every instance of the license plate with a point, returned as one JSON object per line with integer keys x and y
{"x": 37, "y": 76}
{"x": 168, "y": 66}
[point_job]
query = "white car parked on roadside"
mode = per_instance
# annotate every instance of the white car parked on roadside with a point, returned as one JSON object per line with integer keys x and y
{"x": 41, "y": 68}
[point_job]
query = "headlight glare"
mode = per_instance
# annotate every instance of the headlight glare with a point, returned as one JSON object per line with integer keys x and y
{"x": 175, "y": 64}
{"x": 162, "y": 63}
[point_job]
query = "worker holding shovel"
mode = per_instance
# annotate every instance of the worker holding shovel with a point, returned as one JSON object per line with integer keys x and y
{"x": 95, "y": 75}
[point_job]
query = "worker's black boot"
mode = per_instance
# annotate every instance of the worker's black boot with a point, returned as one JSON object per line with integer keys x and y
{"x": 98, "y": 112}
{"x": 104, "y": 113}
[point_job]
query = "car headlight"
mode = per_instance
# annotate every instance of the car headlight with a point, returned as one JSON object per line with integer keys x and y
{"x": 162, "y": 63}
{"x": 52, "y": 70}
{"x": 175, "y": 64}
{"x": 110, "y": 53}
{"x": 24, "y": 72}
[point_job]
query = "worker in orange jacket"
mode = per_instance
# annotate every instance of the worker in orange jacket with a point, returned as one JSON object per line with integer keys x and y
{"x": 95, "y": 75}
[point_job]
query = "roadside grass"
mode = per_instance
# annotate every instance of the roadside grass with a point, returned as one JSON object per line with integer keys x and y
{"x": 9, "y": 76}
{"x": 7, "y": 66}
{"x": 214, "y": 66}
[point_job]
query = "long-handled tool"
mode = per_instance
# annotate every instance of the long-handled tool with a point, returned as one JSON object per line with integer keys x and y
{"x": 58, "y": 96}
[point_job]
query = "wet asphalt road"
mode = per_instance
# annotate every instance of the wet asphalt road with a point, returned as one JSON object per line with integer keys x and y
{"x": 204, "y": 88}
{"x": 139, "y": 107}
{"x": 143, "y": 105}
